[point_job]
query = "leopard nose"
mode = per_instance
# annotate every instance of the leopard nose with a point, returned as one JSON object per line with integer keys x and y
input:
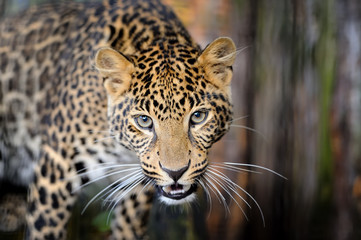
{"x": 177, "y": 174}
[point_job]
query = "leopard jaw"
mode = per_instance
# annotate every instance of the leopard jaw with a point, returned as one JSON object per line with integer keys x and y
{"x": 168, "y": 189}
{"x": 177, "y": 193}
{"x": 190, "y": 198}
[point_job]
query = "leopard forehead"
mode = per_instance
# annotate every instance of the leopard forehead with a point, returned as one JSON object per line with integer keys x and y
{"x": 168, "y": 83}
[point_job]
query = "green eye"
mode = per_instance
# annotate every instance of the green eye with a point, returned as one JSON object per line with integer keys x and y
{"x": 198, "y": 117}
{"x": 144, "y": 121}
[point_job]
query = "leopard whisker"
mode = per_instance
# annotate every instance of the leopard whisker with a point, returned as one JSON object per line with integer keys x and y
{"x": 123, "y": 186}
{"x": 227, "y": 179}
{"x": 239, "y": 118}
{"x": 148, "y": 181}
{"x": 109, "y": 190}
{"x": 232, "y": 168}
{"x": 252, "y": 166}
{"x": 208, "y": 195}
{"x": 106, "y": 188}
{"x": 107, "y": 174}
{"x": 208, "y": 187}
{"x": 116, "y": 164}
{"x": 123, "y": 193}
{"x": 221, "y": 175}
{"x": 250, "y": 129}
{"x": 209, "y": 199}
{"x": 121, "y": 182}
{"x": 130, "y": 186}
{"x": 100, "y": 167}
{"x": 228, "y": 192}
{"x": 114, "y": 203}
{"x": 219, "y": 193}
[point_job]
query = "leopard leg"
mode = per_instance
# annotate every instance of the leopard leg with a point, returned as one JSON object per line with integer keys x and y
{"x": 131, "y": 214}
{"x": 51, "y": 198}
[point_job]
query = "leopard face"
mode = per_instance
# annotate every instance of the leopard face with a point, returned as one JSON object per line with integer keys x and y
{"x": 169, "y": 105}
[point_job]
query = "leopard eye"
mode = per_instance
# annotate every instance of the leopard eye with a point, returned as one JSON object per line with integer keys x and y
{"x": 198, "y": 117}
{"x": 144, "y": 121}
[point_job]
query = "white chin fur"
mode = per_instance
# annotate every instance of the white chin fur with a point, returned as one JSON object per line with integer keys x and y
{"x": 169, "y": 201}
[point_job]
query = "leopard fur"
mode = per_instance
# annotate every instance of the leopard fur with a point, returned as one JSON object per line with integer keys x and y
{"x": 86, "y": 87}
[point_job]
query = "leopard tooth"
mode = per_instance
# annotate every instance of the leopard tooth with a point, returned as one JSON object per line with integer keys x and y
{"x": 175, "y": 192}
{"x": 168, "y": 189}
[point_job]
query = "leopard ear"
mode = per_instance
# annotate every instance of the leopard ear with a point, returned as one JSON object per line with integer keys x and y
{"x": 116, "y": 70}
{"x": 217, "y": 60}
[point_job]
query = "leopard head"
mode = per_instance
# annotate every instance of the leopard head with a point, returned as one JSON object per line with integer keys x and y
{"x": 168, "y": 105}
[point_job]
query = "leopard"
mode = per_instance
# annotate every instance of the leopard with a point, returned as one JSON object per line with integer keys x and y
{"x": 115, "y": 90}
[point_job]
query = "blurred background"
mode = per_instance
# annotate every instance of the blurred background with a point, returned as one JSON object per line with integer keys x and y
{"x": 297, "y": 110}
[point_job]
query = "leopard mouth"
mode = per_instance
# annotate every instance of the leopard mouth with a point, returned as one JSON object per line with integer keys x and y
{"x": 177, "y": 191}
